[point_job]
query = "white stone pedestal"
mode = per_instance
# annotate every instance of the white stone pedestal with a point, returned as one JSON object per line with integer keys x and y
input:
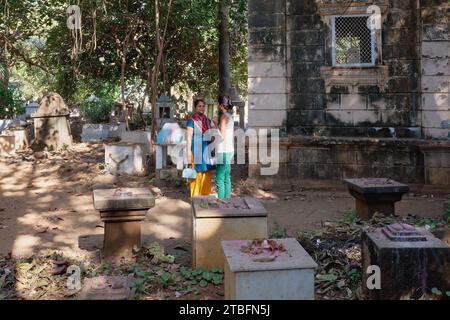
{"x": 289, "y": 277}
{"x": 123, "y": 157}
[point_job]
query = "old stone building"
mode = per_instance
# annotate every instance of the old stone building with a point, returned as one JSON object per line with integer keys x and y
{"x": 357, "y": 88}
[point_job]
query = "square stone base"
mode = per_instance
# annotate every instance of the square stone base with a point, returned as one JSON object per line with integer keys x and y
{"x": 296, "y": 284}
{"x": 122, "y": 233}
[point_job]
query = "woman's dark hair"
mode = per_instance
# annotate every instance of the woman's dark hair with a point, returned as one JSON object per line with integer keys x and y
{"x": 196, "y": 102}
{"x": 226, "y": 101}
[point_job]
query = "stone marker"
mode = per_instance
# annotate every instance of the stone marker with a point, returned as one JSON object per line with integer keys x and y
{"x": 107, "y": 288}
{"x": 409, "y": 259}
{"x": 123, "y": 157}
{"x": 212, "y": 222}
{"x": 122, "y": 210}
{"x": 375, "y": 194}
{"x": 290, "y": 276}
{"x": 51, "y": 124}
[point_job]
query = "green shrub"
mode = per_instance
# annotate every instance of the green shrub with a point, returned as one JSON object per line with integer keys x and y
{"x": 10, "y": 105}
{"x": 97, "y": 111}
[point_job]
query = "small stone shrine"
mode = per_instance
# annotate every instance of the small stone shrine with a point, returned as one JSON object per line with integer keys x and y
{"x": 214, "y": 220}
{"x": 122, "y": 210}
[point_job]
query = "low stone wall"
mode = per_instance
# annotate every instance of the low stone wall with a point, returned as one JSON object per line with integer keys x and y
{"x": 405, "y": 160}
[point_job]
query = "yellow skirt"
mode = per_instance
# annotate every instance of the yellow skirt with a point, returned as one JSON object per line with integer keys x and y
{"x": 202, "y": 185}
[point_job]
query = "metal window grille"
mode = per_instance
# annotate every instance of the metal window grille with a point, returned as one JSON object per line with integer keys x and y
{"x": 353, "y": 42}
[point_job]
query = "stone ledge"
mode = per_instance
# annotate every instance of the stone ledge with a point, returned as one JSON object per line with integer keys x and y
{"x": 325, "y": 141}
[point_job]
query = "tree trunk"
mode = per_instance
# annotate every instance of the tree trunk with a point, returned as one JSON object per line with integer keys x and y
{"x": 224, "y": 48}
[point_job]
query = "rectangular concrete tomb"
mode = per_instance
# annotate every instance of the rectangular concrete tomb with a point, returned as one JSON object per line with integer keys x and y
{"x": 215, "y": 220}
{"x": 411, "y": 262}
{"x": 289, "y": 275}
{"x": 122, "y": 210}
{"x": 142, "y": 137}
{"x": 124, "y": 157}
{"x": 375, "y": 194}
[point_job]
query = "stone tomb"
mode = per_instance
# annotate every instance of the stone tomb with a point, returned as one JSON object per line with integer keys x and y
{"x": 122, "y": 210}
{"x": 290, "y": 276}
{"x": 51, "y": 124}
{"x": 411, "y": 261}
{"x": 7, "y": 144}
{"x": 375, "y": 194}
{"x": 214, "y": 220}
{"x": 124, "y": 157}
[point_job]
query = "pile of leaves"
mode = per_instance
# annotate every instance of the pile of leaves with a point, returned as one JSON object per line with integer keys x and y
{"x": 42, "y": 276}
{"x": 45, "y": 275}
{"x": 260, "y": 246}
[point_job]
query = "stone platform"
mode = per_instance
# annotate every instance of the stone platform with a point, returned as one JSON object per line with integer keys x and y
{"x": 212, "y": 222}
{"x": 375, "y": 195}
{"x": 288, "y": 275}
{"x": 122, "y": 210}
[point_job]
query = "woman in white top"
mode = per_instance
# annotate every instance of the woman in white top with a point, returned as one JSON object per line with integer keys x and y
{"x": 225, "y": 147}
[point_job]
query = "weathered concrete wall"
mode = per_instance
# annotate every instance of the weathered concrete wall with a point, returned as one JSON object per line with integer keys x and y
{"x": 267, "y": 80}
{"x": 291, "y": 78}
{"x": 406, "y": 95}
{"x": 407, "y": 160}
{"x": 307, "y": 158}
{"x": 435, "y": 68}
{"x": 381, "y": 101}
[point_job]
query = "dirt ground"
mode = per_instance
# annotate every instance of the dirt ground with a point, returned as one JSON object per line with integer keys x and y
{"x": 47, "y": 204}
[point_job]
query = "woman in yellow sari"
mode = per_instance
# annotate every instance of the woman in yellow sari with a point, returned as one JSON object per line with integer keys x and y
{"x": 196, "y": 128}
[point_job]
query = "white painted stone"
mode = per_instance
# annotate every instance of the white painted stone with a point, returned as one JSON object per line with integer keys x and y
{"x": 289, "y": 277}
{"x": 436, "y": 49}
{"x": 266, "y": 85}
{"x": 266, "y": 118}
{"x": 365, "y": 116}
{"x": 266, "y": 69}
{"x": 263, "y": 101}
{"x": 436, "y": 67}
{"x": 436, "y": 101}
{"x": 439, "y": 84}
{"x": 124, "y": 157}
{"x": 143, "y": 137}
{"x": 436, "y": 119}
